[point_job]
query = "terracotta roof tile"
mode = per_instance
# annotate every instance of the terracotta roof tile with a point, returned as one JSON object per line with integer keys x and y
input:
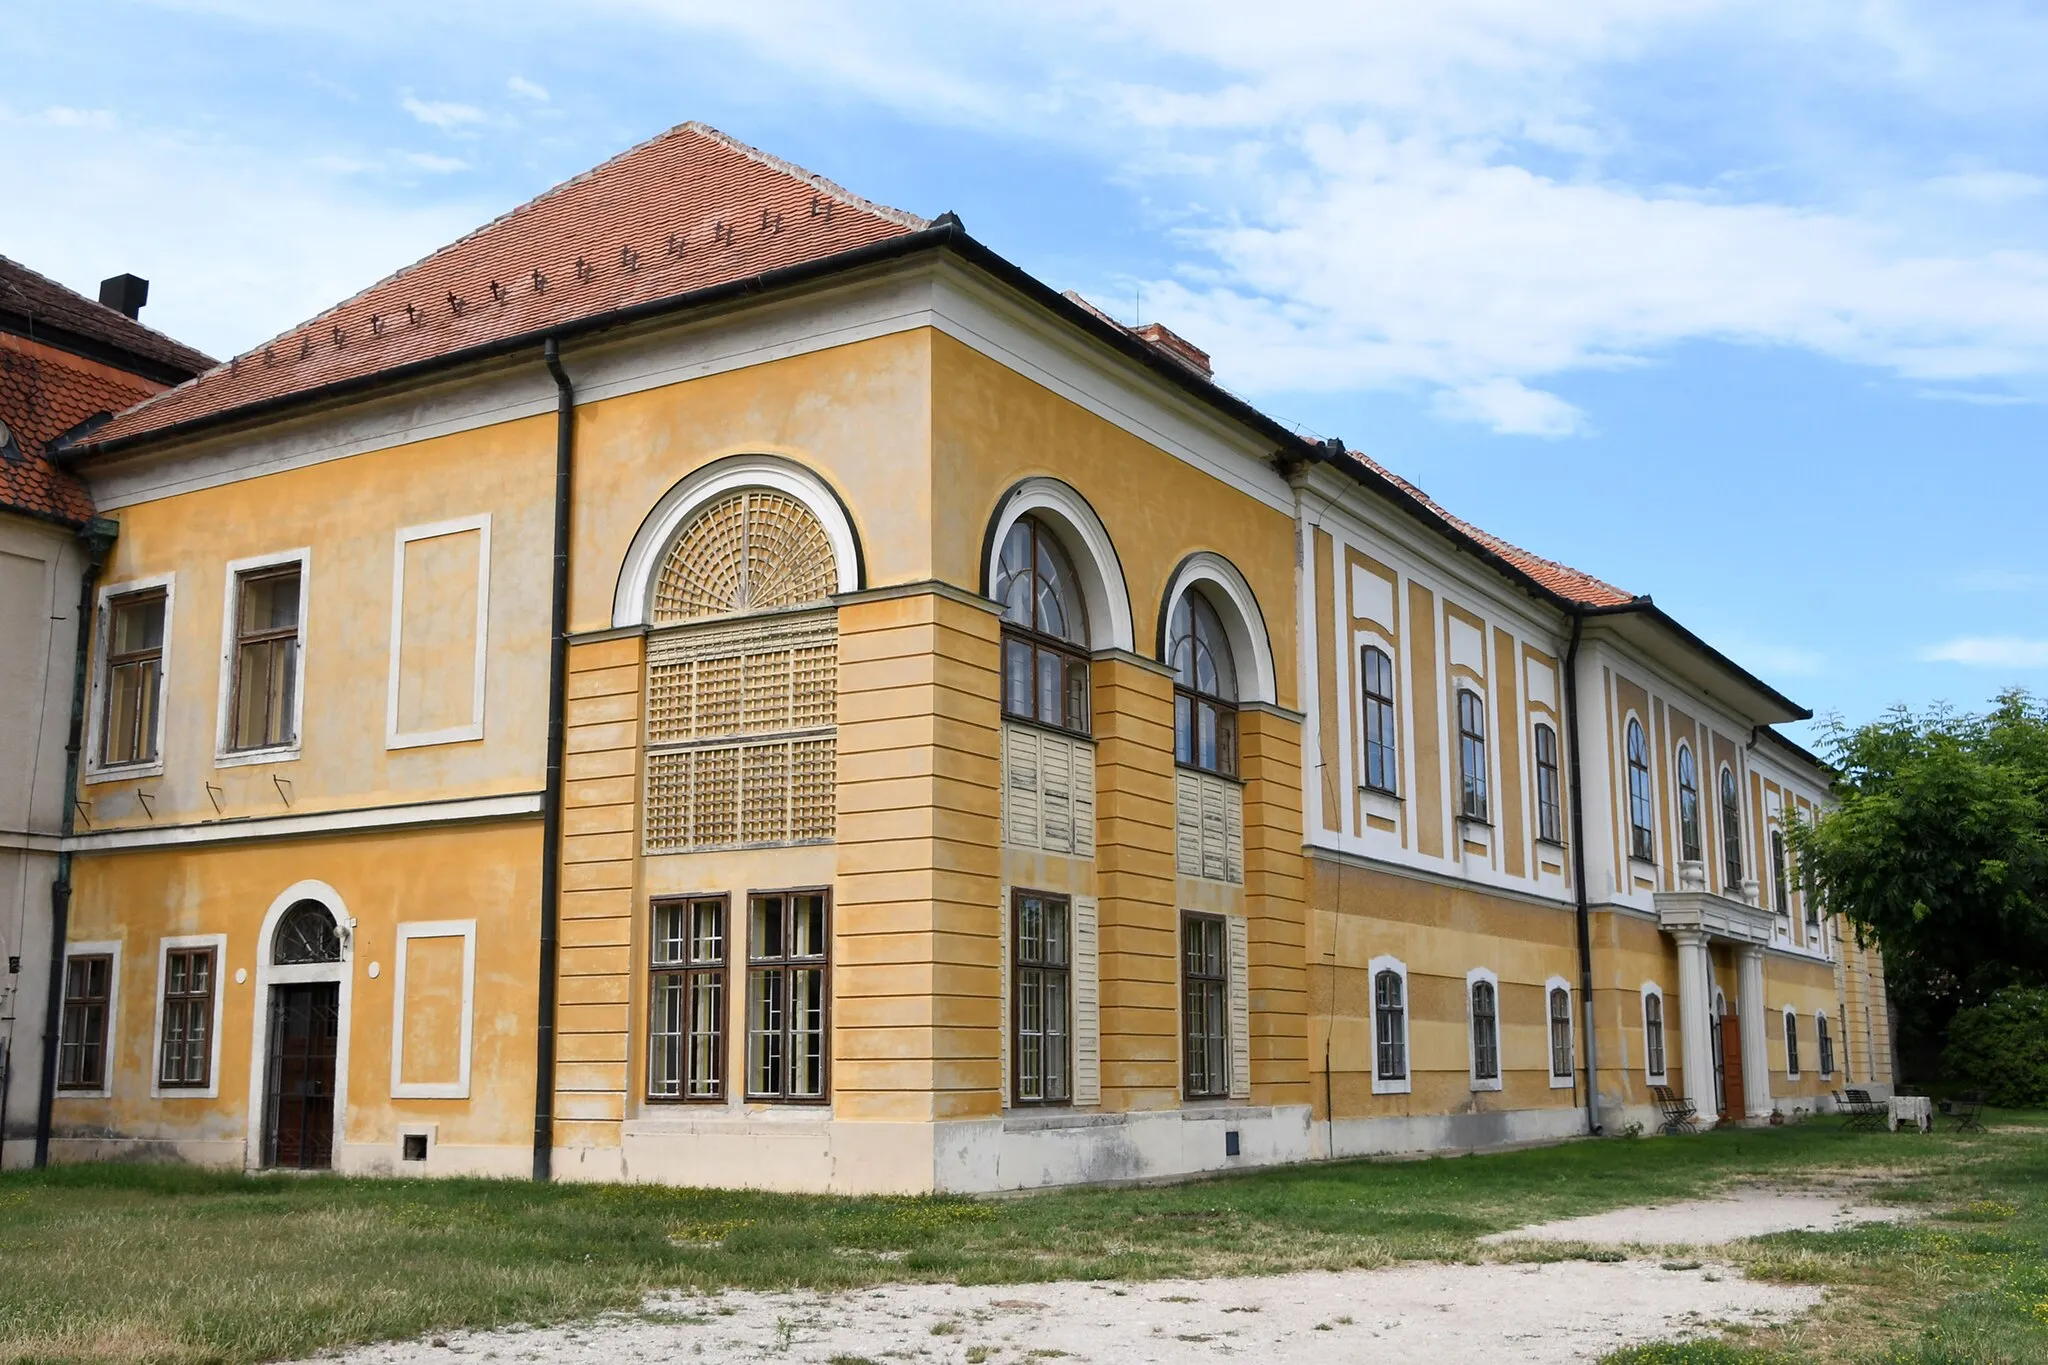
{"x": 40, "y": 299}
{"x": 687, "y": 210}
{"x": 44, "y": 393}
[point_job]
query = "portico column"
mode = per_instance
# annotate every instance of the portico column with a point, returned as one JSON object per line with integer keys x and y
{"x": 1695, "y": 998}
{"x": 1756, "y": 1058}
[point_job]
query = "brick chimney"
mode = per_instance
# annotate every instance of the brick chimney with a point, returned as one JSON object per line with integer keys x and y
{"x": 1177, "y": 346}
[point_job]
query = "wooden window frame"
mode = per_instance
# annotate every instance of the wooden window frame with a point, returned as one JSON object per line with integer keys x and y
{"x": 149, "y": 745}
{"x": 1472, "y": 758}
{"x": 1642, "y": 807}
{"x": 1691, "y": 848}
{"x": 1781, "y": 885}
{"x": 1656, "y": 1057}
{"x": 1077, "y": 704}
{"x": 1549, "y": 789}
{"x": 1216, "y": 984}
{"x": 176, "y": 1007}
{"x": 788, "y": 966}
{"x": 1731, "y": 831}
{"x": 1791, "y": 1044}
{"x": 1561, "y": 1049}
{"x": 1191, "y": 704}
{"x": 1823, "y": 1045}
{"x": 240, "y": 573}
{"x": 684, "y": 973}
{"x": 1043, "y": 969}
{"x": 70, "y": 1080}
{"x": 1486, "y": 1059}
{"x": 1390, "y": 1026}
{"x": 1382, "y": 723}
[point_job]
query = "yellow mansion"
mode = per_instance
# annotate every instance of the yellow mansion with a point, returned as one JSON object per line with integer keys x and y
{"x": 710, "y": 680}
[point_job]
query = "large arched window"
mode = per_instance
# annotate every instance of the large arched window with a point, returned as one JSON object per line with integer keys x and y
{"x": 1204, "y": 688}
{"x": 758, "y": 549}
{"x": 1641, "y": 839}
{"x": 1382, "y": 756}
{"x": 1688, "y": 805}
{"x": 1471, "y": 755}
{"x": 1045, "y": 630}
{"x": 1731, "y": 832}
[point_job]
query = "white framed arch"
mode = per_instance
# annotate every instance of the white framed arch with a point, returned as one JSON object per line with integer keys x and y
{"x": 268, "y": 975}
{"x": 1243, "y": 622}
{"x": 1087, "y": 544}
{"x": 632, "y": 599}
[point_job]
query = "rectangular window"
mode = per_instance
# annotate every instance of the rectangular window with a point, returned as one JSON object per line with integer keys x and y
{"x": 1205, "y": 1006}
{"x": 686, "y": 1001}
{"x": 1382, "y": 761}
{"x": 788, "y": 957}
{"x": 1549, "y": 808}
{"x": 263, "y": 707}
{"x": 1471, "y": 756}
{"x": 134, "y": 679}
{"x": 187, "y": 1057}
{"x": 1041, "y": 954}
{"x": 82, "y": 1039}
{"x": 1045, "y": 684}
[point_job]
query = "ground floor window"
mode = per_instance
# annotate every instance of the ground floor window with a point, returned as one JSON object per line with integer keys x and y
{"x": 1560, "y": 1032}
{"x": 187, "y": 1055}
{"x": 788, "y": 959}
{"x": 1041, "y": 954}
{"x": 1791, "y": 1043}
{"x": 82, "y": 1039}
{"x": 1205, "y": 1006}
{"x": 1826, "y": 1044}
{"x": 1390, "y": 1025}
{"x": 687, "y": 1000}
{"x": 1485, "y": 1031}
{"x": 1653, "y": 1033}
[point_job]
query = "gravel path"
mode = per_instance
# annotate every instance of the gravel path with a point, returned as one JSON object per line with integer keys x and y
{"x": 1709, "y": 1222}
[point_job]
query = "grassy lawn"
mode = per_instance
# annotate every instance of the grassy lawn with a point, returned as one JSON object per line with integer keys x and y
{"x": 151, "y": 1263}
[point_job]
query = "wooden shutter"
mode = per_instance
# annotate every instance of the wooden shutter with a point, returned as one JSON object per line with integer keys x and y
{"x": 1187, "y": 824}
{"x": 1087, "y": 1005}
{"x": 1083, "y": 789}
{"x": 1056, "y": 793}
{"x": 1215, "y": 833}
{"x": 1020, "y": 787}
{"x": 1239, "y": 935}
{"x": 1233, "y": 833}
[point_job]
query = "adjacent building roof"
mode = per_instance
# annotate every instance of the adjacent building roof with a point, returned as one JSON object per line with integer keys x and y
{"x": 34, "y": 305}
{"x": 676, "y": 215}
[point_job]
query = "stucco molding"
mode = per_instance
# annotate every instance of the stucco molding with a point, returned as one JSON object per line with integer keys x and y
{"x": 473, "y": 729}
{"x": 316, "y": 822}
{"x": 1244, "y": 622}
{"x": 457, "y": 1089}
{"x": 1087, "y": 543}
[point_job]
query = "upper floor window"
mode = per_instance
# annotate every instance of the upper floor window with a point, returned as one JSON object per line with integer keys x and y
{"x": 134, "y": 677}
{"x": 1781, "y": 890}
{"x": 1045, "y": 630}
{"x": 263, "y": 704}
{"x": 1731, "y": 829}
{"x": 1641, "y": 839}
{"x": 1688, "y": 805}
{"x": 1204, "y": 688}
{"x": 1471, "y": 755}
{"x": 1382, "y": 758}
{"x": 1549, "y": 805}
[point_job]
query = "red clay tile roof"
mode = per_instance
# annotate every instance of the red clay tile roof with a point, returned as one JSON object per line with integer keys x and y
{"x": 40, "y": 299}
{"x": 45, "y": 392}
{"x": 1561, "y": 579}
{"x": 684, "y": 211}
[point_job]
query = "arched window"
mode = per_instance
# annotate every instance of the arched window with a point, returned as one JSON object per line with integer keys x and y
{"x": 1204, "y": 687}
{"x": 1560, "y": 1033}
{"x": 1045, "y": 630}
{"x": 1688, "y": 806}
{"x": 1549, "y": 804}
{"x": 1641, "y": 839}
{"x": 1485, "y": 1031}
{"x": 1731, "y": 832}
{"x": 757, "y": 549}
{"x": 1781, "y": 891}
{"x": 307, "y": 933}
{"x": 1826, "y": 1045}
{"x": 1791, "y": 1044}
{"x": 1471, "y": 755}
{"x": 1390, "y": 1026}
{"x": 1382, "y": 758}
{"x": 1653, "y": 1033}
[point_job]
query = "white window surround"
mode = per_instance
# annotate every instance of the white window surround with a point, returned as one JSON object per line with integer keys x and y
{"x": 223, "y": 756}
{"x": 1244, "y": 623}
{"x": 1500, "y": 1061}
{"x": 1571, "y": 1024}
{"x": 1087, "y": 543}
{"x": 110, "y": 948}
{"x": 1649, "y": 989}
{"x": 1406, "y": 1084}
{"x": 95, "y": 716}
{"x": 268, "y": 975}
{"x": 454, "y": 734}
{"x": 1386, "y": 804}
{"x": 458, "y": 1089}
{"x": 211, "y": 1090}
{"x": 632, "y": 599}
{"x": 1790, "y": 1037}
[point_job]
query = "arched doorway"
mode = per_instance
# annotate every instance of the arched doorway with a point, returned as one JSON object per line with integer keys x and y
{"x": 300, "y": 1032}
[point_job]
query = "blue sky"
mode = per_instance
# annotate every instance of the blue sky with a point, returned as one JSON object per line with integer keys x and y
{"x": 1741, "y": 304}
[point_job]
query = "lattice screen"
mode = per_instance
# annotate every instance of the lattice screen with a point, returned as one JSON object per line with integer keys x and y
{"x": 740, "y": 721}
{"x": 754, "y": 550}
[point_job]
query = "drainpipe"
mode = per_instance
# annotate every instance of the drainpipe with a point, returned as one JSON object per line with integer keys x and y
{"x": 97, "y": 536}
{"x": 551, "y": 798}
{"x": 1571, "y": 729}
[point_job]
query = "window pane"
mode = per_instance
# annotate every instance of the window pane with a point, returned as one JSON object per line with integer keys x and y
{"x": 766, "y": 940}
{"x": 1017, "y": 677}
{"x": 1077, "y": 695}
{"x": 1052, "y": 687}
{"x": 807, "y": 925}
{"x": 665, "y": 1035}
{"x": 138, "y": 624}
{"x": 1205, "y": 737}
{"x": 707, "y": 931}
{"x": 270, "y": 602}
{"x": 807, "y": 1033}
{"x": 1183, "y": 729}
{"x": 766, "y": 1016}
{"x": 669, "y": 946}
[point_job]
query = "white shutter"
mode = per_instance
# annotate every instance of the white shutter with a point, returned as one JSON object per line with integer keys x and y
{"x": 1187, "y": 824}
{"x": 1087, "y": 1006}
{"x": 1003, "y": 998}
{"x": 1215, "y": 836}
{"x": 1020, "y": 786}
{"x": 1055, "y": 790}
{"x": 1239, "y": 934}
{"x": 1084, "y": 798}
{"x": 1233, "y": 834}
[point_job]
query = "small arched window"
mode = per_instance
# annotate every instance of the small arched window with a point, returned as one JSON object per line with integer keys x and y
{"x": 1641, "y": 839}
{"x": 1045, "y": 630}
{"x": 1485, "y": 1031}
{"x": 1781, "y": 890}
{"x": 1204, "y": 687}
{"x": 1390, "y": 1026}
{"x": 1826, "y": 1044}
{"x": 1653, "y": 1033}
{"x": 1560, "y": 1032}
{"x": 1549, "y": 805}
{"x": 1688, "y": 805}
{"x": 306, "y": 934}
{"x": 1471, "y": 755}
{"x": 1382, "y": 757}
{"x": 1791, "y": 1044}
{"x": 1731, "y": 831}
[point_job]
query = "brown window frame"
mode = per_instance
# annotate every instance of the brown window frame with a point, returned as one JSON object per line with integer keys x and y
{"x": 1077, "y": 702}
{"x": 786, "y": 967}
{"x": 145, "y": 728}
{"x": 1791, "y": 1045}
{"x": 1653, "y": 1036}
{"x": 1486, "y": 1037}
{"x": 1210, "y": 1049}
{"x": 1824, "y": 1046}
{"x": 71, "y": 1045}
{"x": 1689, "y": 844}
{"x": 246, "y": 640}
{"x": 1781, "y": 882}
{"x": 1731, "y": 830}
{"x": 1390, "y": 1025}
{"x": 1192, "y": 705}
{"x": 1382, "y": 722}
{"x": 1642, "y": 806}
{"x": 180, "y": 1007}
{"x": 1549, "y": 790}
{"x": 1474, "y": 801}
{"x": 1560, "y": 1032}
{"x": 684, "y": 974}
{"x": 1042, "y": 969}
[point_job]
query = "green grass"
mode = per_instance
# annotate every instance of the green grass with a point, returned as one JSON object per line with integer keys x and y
{"x": 156, "y": 1263}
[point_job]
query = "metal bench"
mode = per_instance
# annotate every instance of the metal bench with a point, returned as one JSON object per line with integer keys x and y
{"x": 1865, "y": 1115}
{"x": 1677, "y": 1114}
{"x": 1967, "y": 1112}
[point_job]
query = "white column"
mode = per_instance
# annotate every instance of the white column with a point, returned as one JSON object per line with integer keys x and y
{"x": 1695, "y": 999}
{"x": 1756, "y": 1058}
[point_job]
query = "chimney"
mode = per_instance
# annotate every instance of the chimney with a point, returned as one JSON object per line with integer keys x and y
{"x": 125, "y": 294}
{"x": 1177, "y": 346}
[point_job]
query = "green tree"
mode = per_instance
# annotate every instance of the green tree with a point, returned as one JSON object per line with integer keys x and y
{"x": 1937, "y": 847}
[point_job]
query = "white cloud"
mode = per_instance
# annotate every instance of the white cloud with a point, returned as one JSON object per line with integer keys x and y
{"x": 2002, "y": 580}
{"x": 442, "y": 114}
{"x": 1511, "y": 408}
{"x": 431, "y": 161}
{"x": 528, "y": 90}
{"x": 63, "y": 116}
{"x": 1989, "y": 651}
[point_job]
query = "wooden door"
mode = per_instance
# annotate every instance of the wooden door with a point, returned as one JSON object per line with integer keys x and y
{"x": 1731, "y": 1067}
{"x": 299, "y": 1095}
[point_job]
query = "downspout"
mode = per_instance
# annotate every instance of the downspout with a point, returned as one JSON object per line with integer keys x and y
{"x": 551, "y": 797}
{"x": 97, "y": 536}
{"x": 1571, "y": 730}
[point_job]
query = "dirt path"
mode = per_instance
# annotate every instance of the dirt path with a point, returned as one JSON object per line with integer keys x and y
{"x": 1709, "y": 1222}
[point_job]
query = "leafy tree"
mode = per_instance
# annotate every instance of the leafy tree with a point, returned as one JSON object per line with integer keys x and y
{"x": 2001, "y": 1047}
{"x": 1937, "y": 847}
